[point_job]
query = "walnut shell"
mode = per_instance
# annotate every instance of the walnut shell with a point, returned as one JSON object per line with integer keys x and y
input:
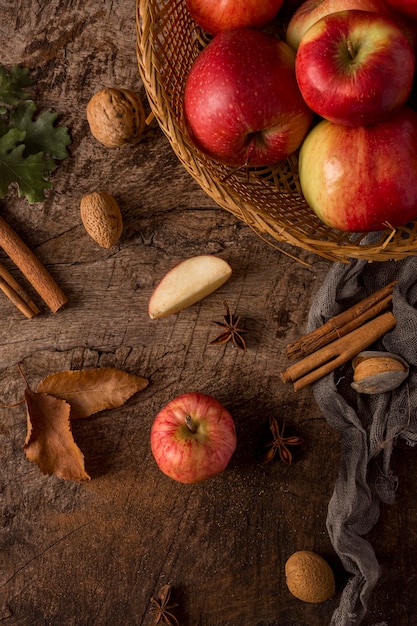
{"x": 102, "y": 218}
{"x": 309, "y": 577}
{"x": 116, "y": 117}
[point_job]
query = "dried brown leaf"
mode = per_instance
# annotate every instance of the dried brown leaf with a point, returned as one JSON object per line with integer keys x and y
{"x": 90, "y": 391}
{"x": 49, "y": 441}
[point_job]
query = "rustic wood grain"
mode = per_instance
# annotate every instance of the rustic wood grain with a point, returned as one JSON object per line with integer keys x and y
{"x": 93, "y": 554}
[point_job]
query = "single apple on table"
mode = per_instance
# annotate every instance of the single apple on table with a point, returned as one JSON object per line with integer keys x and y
{"x": 186, "y": 283}
{"x": 214, "y": 16}
{"x": 193, "y": 438}
{"x": 355, "y": 67}
{"x": 242, "y": 104}
{"x": 310, "y": 11}
{"x": 365, "y": 178}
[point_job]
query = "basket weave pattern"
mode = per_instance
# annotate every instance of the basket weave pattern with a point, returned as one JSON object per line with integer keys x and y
{"x": 268, "y": 199}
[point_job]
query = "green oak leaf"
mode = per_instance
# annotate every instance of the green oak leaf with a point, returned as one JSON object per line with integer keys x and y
{"x": 29, "y": 144}
{"x": 27, "y": 172}
{"x": 12, "y": 86}
{"x": 41, "y": 134}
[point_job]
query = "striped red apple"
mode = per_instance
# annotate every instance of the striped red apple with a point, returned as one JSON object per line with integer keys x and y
{"x": 310, "y": 11}
{"x": 193, "y": 438}
{"x": 365, "y": 178}
{"x": 214, "y": 16}
{"x": 242, "y": 104}
{"x": 355, "y": 67}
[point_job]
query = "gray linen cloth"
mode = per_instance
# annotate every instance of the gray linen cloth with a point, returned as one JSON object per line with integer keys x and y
{"x": 369, "y": 425}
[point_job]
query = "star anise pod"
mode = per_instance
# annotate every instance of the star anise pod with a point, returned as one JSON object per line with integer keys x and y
{"x": 280, "y": 443}
{"x": 231, "y": 332}
{"x": 162, "y": 610}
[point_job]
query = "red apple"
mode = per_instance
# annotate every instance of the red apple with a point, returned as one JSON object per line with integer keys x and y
{"x": 355, "y": 67}
{"x": 193, "y": 438}
{"x": 313, "y": 10}
{"x": 407, "y": 7}
{"x": 216, "y": 15}
{"x": 365, "y": 178}
{"x": 242, "y": 104}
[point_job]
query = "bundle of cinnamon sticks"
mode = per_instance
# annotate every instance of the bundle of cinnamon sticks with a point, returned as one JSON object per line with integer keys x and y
{"x": 32, "y": 269}
{"x": 340, "y": 339}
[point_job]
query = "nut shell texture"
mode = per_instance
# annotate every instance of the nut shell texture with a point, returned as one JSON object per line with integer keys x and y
{"x": 102, "y": 218}
{"x": 116, "y": 117}
{"x": 309, "y": 577}
{"x": 378, "y": 372}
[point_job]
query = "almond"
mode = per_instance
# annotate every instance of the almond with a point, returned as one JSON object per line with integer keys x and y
{"x": 309, "y": 577}
{"x": 102, "y": 218}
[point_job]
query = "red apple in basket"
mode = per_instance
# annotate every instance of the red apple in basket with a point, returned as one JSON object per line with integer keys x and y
{"x": 355, "y": 67}
{"x": 407, "y": 7}
{"x": 312, "y": 10}
{"x": 193, "y": 438}
{"x": 365, "y": 178}
{"x": 216, "y": 15}
{"x": 242, "y": 104}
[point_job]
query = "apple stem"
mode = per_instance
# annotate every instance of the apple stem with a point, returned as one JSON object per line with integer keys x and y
{"x": 190, "y": 424}
{"x": 350, "y": 48}
{"x": 251, "y": 150}
{"x": 245, "y": 165}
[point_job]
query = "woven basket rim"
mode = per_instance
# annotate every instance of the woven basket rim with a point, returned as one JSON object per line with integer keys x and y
{"x": 391, "y": 244}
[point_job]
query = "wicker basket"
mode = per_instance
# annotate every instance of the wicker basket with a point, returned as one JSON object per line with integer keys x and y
{"x": 269, "y": 200}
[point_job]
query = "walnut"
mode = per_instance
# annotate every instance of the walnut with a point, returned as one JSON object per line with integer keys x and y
{"x": 116, "y": 117}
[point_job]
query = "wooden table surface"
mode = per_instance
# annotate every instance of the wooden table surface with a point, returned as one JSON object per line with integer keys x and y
{"x": 93, "y": 553}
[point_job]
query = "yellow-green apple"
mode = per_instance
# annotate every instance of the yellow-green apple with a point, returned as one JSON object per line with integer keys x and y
{"x": 186, "y": 283}
{"x": 310, "y": 11}
{"x": 407, "y": 7}
{"x": 193, "y": 438}
{"x": 355, "y": 67}
{"x": 365, "y": 178}
{"x": 242, "y": 104}
{"x": 216, "y": 15}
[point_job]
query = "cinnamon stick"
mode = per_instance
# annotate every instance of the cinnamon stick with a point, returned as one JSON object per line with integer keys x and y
{"x": 16, "y": 294}
{"x": 343, "y": 323}
{"x": 329, "y": 357}
{"x": 31, "y": 267}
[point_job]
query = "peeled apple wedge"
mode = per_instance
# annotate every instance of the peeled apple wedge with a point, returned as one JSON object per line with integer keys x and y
{"x": 187, "y": 283}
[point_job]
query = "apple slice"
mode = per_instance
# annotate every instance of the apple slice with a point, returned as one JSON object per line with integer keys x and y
{"x": 187, "y": 283}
